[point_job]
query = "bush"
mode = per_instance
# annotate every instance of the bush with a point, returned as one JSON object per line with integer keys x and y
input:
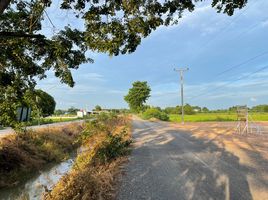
{"x": 155, "y": 113}
{"x": 113, "y": 146}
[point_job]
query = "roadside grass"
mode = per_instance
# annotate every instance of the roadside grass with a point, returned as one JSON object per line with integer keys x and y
{"x": 96, "y": 171}
{"x": 213, "y": 117}
{"x": 22, "y": 154}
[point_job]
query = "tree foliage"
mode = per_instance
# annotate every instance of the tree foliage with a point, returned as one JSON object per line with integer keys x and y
{"x": 40, "y": 102}
{"x": 98, "y": 108}
{"x": 138, "y": 95}
{"x": 260, "y": 108}
{"x": 205, "y": 109}
{"x": 72, "y": 110}
{"x": 188, "y": 109}
{"x": 155, "y": 113}
{"x": 60, "y": 112}
{"x": 112, "y": 27}
{"x": 45, "y": 103}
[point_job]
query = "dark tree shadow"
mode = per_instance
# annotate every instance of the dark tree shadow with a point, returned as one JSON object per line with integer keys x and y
{"x": 171, "y": 164}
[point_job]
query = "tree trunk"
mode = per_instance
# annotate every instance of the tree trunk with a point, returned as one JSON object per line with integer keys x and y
{"x": 3, "y": 5}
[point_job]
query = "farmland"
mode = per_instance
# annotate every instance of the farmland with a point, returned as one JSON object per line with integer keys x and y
{"x": 206, "y": 117}
{"x": 51, "y": 120}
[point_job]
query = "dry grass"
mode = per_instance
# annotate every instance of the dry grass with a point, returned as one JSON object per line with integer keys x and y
{"x": 97, "y": 169}
{"x": 95, "y": 182}
{"x": 24, "y": 153}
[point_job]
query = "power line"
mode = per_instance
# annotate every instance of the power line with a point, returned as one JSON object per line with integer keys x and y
{"x": 50, "y": 19}
{"x": 229, "y": 24}
{"x": 250, "y": 28}
{"x": 223, "y": 29}
{"x": 240, "y": 64}
{"x": 228, "y": 83}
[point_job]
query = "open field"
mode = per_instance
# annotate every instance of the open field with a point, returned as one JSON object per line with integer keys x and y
{"x": 206, "y": 117}
{"x": 50, "y": 120}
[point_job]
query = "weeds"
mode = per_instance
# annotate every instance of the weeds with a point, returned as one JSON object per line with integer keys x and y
{"x": 106, "y": 143}
{"x": 113, "y": 146}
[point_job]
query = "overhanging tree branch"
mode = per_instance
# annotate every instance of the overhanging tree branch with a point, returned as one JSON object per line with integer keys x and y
{"x": 3, "y": 5}
{"x": 6, "y": 34}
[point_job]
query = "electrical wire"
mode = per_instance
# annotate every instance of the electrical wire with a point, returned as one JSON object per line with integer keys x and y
{"x": 241, "y": 64}
{"x": 224, "y": 29}
{"x": 228, "y": 83}
{"x": 50, "y": 21}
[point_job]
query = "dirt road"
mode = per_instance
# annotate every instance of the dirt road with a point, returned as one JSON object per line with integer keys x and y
{"x": 169, "y": 163}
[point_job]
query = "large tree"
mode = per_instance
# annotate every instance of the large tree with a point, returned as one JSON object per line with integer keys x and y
{"x": 45, "y": 103}
{"x": 138, "y": 95}
{"x": 111, "y": 26}
{"x": 40, "y": 102}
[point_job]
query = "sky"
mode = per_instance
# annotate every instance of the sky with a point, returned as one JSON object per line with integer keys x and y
{"x": 227, "y": 59}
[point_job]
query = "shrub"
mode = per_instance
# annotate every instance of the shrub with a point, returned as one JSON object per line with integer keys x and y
{"x": 113, "y": 147}
{"x": 155, "y": 113}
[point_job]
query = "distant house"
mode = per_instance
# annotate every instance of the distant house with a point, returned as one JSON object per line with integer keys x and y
{"x": 82, "y": 113}
{"x": 197, "y": 110}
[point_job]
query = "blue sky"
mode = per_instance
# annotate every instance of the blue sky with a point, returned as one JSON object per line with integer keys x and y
{"x": 205, "y": 41}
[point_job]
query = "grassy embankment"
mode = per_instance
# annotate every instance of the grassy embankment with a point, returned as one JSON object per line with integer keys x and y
{"x": 23, "y": 154}
{"x": 105, "y": 144}
{"x": 206, "y": 117}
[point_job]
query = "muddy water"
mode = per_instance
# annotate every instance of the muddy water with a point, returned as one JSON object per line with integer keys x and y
{"x": 34, "y": 188}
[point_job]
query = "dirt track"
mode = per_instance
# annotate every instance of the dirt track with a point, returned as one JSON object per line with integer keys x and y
{"x": 197, "y": 161}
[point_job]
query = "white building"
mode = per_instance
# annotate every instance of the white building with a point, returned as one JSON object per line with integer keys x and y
{"x": 82, "y": 113}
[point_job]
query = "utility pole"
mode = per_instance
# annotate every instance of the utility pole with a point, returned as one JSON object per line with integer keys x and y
{"x": 182, "y": 70}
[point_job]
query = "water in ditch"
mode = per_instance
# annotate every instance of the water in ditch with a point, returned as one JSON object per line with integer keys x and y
{"x": 35, "y": 187}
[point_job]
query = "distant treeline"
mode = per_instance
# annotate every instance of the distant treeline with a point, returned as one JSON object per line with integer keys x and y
{"x": 188, "y": 110}
{"x": 73, "y": 110}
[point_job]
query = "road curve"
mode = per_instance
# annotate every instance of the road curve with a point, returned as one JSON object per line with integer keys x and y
{"x": 171, "y": 164}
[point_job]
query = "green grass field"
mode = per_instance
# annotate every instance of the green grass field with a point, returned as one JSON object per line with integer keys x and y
{"x": 214, "y": 117}
{"x": 52, "y": 120}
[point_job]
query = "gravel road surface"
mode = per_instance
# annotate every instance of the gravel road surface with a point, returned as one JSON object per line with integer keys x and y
{"x": 168, "y": 164}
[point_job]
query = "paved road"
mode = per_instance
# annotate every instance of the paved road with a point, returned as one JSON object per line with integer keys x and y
{"x": 169, "y": 164}
{"x": 9, "y": 131}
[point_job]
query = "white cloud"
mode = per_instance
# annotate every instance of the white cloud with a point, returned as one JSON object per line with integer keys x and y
{"x": 120, "y": 92}
{"x": 90, "y": 76}
{"x": 253, "y": 99}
